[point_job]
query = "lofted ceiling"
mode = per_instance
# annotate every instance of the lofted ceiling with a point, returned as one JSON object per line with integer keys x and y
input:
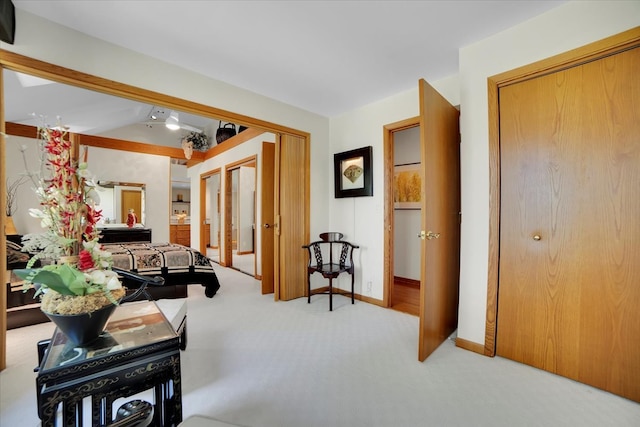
{"x": 326, "y": 57}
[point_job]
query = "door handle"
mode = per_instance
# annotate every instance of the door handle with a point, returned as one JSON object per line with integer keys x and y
{"x": 429, "y": 235}
{"x": 432, "y": 235}
{"x": 268, "y": 225}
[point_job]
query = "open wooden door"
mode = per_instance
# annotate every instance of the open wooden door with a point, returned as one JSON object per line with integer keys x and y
{"x": 440, "y": 264}
{"x": 291, "y": 216}
{"x": 267, "y": 227}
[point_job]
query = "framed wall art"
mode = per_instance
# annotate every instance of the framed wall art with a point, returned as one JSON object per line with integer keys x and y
{"x": 407, "y": 186}
{"x": 352, "y": 173}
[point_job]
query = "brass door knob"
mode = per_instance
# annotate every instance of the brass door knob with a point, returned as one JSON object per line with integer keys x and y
{"x": 536, "y": 237}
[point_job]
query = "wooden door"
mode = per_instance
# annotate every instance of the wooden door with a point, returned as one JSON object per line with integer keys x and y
{"x": 291, "y": 210}
{"x": 568, "y": 295}
{"x": 267, "y": 226}
{"x": 440, "y": 264}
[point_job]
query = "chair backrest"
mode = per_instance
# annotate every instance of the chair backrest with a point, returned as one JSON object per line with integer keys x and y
{"x": 346, "y": 252}
{"x": 331, "y": 236}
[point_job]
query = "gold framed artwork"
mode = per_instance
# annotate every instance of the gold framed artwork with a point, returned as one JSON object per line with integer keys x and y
{"x": 407, "y": 186}
{"x": 352, "y": 173}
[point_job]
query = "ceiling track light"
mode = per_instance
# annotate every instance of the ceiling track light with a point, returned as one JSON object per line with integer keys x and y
{"x": 172, "y": 121}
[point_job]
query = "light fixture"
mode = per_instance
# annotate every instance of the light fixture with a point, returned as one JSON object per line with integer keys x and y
{"x": 172, "y": 121}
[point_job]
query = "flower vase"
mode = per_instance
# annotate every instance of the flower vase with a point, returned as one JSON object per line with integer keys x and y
{"x": 83, "y": 328}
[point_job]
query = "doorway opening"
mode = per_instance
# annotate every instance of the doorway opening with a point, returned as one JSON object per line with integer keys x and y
{"x": 240, "y": 215}
{"x": 403, "y": 216}
{"x": 210, "y": 183}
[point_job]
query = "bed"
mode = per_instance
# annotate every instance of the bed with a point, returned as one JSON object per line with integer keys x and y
{"x": 177, "y": 264}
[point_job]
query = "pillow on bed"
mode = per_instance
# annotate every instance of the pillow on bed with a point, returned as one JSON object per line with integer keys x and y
{"x": 15, "y": 254}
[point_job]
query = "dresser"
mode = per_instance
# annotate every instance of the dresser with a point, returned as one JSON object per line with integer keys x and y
{"x": 180, "y": 234}
{"x": 125, "y": 235}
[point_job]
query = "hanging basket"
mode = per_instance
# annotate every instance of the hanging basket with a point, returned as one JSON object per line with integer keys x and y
{"x": 225, "y": 132}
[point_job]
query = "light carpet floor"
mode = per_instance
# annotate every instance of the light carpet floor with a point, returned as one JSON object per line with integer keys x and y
{"x": 254, "y": 362}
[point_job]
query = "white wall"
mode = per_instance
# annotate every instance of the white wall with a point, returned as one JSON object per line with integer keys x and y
{"x": 25, "y": 197}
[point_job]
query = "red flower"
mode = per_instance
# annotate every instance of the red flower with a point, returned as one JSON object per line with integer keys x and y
{"x": 86, "y": 260}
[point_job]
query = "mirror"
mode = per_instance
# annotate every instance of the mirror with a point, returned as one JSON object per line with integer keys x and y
{"x": 243, "y": 214}
{"x": 116, "y": 198}
{"x": 180, "y": 195}
{"x": 212, "y": 216}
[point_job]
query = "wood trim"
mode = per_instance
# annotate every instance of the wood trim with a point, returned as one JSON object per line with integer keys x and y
{"x": 247, "y": 161}
{"x": 25, "y": 131}
{"x": 28, "y": 131}
{"x": 230, "y": 167}
{"x": 203, "y": 214}
{"x": 470, "y": 345}
{"x": 403, "y": 124}
{"x": 3, "y": 237}
{"x": 494, "y": 220}
{"x": 388, "y": 131}
{"x": 370, "y": 300}
{"x": 611, "y": 45}
{"x": 406, "y": 282}
{"x": 203, "y": 208}
{"x": 136, "y": 147}
{"x": 343, "y": 292}
{"x": 233, "y": 142}
{"x": 592, "y": 51}
{"x": 226, "y": 223}
{"x": 210, "y": 173}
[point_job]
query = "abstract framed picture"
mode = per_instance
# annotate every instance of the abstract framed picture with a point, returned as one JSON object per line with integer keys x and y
{"x": 407, "y": 186}
{"x": 352, "y": 173}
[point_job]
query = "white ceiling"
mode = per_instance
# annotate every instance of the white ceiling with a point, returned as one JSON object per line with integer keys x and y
{"x": 327, "y": 57}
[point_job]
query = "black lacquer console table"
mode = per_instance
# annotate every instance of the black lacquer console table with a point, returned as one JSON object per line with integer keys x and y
{"x": 138, "y": 351}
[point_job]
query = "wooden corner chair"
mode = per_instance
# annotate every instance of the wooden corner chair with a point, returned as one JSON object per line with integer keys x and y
{"x": 330, "y": 270}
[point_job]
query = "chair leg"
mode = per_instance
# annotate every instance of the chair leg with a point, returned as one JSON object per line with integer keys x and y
{"x": 330, "y": 294}
{"x": 308, "y": 288}
{"x": 352, "y": 282}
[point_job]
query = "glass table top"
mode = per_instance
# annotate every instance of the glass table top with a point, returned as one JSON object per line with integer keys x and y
{"x": 133, "y": 324}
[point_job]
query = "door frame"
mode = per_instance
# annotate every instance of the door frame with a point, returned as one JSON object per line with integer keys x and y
{"x": 227, "y": 190}
{"x": 389, "y": 229}
{"x": 16, "y": 62}
{"x": 203, "y": 207}
{"x": 605, "y": 47}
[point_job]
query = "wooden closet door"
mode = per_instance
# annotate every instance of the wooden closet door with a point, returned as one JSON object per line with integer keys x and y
{"x": 292, "y": 217}
{"x": 569, "y": 276}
